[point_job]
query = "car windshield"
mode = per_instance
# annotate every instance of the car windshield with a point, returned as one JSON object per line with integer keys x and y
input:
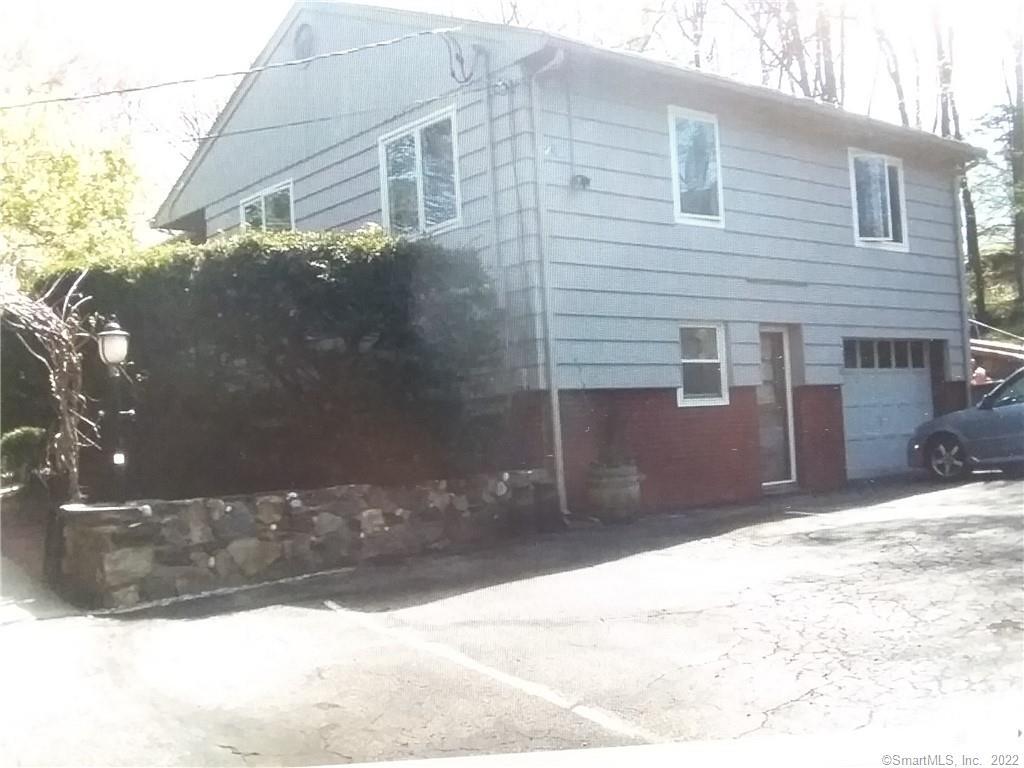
{"x": 1010, "y": 392}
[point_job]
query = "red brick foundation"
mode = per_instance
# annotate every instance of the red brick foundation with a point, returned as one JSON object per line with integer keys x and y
{"x": 820, "y": 442}
{"x": 688, "y": 456}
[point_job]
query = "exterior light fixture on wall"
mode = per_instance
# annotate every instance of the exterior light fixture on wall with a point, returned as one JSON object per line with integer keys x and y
{"x": 580, "y": 181}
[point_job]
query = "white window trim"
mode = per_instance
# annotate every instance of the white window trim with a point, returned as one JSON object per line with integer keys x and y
{"x": 261, "y": 196}
{"x": 682, "y": 400}
{"x": 876, "y": 242}
{"x": 415, "y": 128}
{"x": 693, "y": 218}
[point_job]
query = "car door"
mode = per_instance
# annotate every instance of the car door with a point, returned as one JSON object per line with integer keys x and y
{"x": 998, "y": 431}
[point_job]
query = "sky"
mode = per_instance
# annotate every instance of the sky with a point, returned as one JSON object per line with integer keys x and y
{"x": 104, "y": 43}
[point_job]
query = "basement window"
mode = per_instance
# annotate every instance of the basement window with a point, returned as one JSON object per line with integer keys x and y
{"x": 269, "y": 210}
{"x": 703, "y": 366}
{"x": 419, "y": 176}
{"x": 876, "y": 182}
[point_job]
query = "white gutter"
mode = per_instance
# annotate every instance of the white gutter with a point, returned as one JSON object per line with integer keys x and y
{"x": 550, "y": 364}
{"x": 961, "y": 271}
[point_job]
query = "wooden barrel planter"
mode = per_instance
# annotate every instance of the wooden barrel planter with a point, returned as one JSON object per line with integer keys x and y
{"x": 614, "y": 492}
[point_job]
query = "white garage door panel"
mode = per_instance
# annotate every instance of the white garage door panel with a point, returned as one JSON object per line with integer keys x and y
{"x": 881, "y": 409}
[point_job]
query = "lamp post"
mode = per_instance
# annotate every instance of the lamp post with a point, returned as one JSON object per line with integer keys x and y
{"x": 112, "y": 342}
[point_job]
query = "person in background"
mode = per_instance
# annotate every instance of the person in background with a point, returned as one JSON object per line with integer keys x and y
{"x": 980, "y": 375}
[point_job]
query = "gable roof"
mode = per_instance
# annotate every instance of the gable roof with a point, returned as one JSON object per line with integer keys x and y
{"x": 799, "y": 106}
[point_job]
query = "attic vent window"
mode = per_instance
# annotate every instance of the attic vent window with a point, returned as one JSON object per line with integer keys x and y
{"x": 305, "y": 42}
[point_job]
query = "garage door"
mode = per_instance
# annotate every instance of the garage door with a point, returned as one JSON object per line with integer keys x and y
{"x": 886, "y": 393}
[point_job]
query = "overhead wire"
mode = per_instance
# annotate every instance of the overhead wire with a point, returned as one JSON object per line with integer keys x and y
{"x": 236, "y": 73}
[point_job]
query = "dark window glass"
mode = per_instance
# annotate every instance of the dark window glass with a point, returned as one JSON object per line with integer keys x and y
{"x": 279, "y": 210}
{"x": 895, "y": 212}
{"x": 252, "y": 214}
{"x": 867, "y": 354}
{"x": 702, "y": 380}
{"x": 439, "y": 203}
{"x": 885, "y": 354}
{"x": 917, "y": 354}
{"x": 1011, "y": 395}
{"x": 872, "y": 204}
{"x": 850, "y": 353}
{"x": 697, "y": 155}
{"x": 699, "y": 343}
{"x": 900, "y": 354}
{"x": 403, "y": 200}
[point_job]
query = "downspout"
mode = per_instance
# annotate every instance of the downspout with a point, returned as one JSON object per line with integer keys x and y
{"x": 551, "y": 364}
{"x": 962, "y": 283}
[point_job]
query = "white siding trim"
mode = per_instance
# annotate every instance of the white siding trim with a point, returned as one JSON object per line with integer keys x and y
{"x": 415, "y": 128}
{"x": 690, "y": 218}
{"x": 867, "y": 242}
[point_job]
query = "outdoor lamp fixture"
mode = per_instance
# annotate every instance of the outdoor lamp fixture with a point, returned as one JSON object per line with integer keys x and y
{"x": 113, "y": 343}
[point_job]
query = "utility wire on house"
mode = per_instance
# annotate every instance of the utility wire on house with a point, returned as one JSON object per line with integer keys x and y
{"x": 313, "y": 120}
{"x": 236, "y": 73}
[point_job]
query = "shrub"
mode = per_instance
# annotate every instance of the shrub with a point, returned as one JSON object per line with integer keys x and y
{"x": 23, "y": 452}
{"x": 294, "y": 360}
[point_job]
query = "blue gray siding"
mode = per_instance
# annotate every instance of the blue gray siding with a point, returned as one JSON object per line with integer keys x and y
{"x": 625, "y": 274}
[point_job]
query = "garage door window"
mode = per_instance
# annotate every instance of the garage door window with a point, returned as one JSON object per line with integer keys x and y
{"x": 883, "y": 353}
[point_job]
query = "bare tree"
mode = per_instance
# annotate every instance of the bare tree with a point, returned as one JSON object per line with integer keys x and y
{"x": 892, "y": 65}
{"x": 825, "y": 61}
{"x": 785, "y": 51}
{"x": 54, "y": 335}
{"x": 949, "y": 123}
{"x": 509, "y": 14}
{"x": 690, "y": 17}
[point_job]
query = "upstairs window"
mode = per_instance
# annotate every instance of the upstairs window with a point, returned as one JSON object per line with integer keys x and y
{"x": 270, "y": 210}
{"x": 696, "y": 167}
{"x": 703, "y": 362}
{"x": 877, "y": 185}
{"x": 419, "y": 181}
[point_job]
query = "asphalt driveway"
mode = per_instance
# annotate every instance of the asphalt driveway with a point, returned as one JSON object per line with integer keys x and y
{"x": 889, "y": 607}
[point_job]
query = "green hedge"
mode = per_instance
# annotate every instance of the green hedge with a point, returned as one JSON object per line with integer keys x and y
{"x": 296, "y": 360}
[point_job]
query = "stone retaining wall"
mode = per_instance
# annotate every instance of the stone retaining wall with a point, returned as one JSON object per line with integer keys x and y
{"x": 149, "y": 550}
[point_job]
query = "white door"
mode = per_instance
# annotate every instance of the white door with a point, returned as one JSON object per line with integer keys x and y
{"x": 883, "y": 405}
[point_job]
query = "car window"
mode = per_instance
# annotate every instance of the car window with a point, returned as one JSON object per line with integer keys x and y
{"x": 1011, "y": 394}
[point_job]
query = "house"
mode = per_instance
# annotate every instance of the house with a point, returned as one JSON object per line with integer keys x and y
{"x": 769, "y": 288}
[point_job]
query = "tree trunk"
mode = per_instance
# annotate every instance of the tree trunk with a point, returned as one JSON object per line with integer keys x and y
{"x": 945, "y": 79}
{"x": 949, "y": 120}
{"x": 893, "y": 66}
{"x": 794, "y": 46}
{"x": 824, "y": 32}
{"x": 1017, "y": 162}
{"x": 974, "y": 251}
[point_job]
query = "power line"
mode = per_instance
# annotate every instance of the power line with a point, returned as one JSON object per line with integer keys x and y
{"x": 236, "y": 73}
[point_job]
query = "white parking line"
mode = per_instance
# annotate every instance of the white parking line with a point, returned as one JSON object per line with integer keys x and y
{"x": 602, "y": 717}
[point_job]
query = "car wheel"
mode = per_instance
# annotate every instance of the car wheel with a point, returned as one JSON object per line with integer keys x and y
{"x": 947, "y": 460}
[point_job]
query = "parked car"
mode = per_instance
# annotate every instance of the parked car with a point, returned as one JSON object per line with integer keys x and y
{"x": 988, "y": 435}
